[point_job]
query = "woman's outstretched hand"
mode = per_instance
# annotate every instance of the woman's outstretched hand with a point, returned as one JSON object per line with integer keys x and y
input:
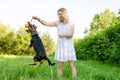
{"x": 35, "y": 17}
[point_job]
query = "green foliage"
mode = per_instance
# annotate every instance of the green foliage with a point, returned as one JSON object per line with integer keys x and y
{"x": 48, "y": 43}
{"x": 3, "y": 30}
{"x": 102, "y": 21}
{"x": 104, "y": 46}
{"x": 5, "y": 34}
{"x": 16, "y": 43}
{"x": 21, "y": 43}
{"x": 7, "y": 41}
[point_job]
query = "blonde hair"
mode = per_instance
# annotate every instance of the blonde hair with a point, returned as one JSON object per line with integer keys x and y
{"x": 65, "y": 13}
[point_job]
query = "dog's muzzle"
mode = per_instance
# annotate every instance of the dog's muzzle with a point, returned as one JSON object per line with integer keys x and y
{"x": 30, "y": 27}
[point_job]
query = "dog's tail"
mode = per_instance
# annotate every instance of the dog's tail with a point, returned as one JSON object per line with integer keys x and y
{"x": 49, "y": 62}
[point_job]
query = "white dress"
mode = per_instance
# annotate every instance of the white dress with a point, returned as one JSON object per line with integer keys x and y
{"x": 65, "y": 48}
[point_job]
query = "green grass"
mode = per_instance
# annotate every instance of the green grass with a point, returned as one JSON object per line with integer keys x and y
{"x": 17, "y": 68}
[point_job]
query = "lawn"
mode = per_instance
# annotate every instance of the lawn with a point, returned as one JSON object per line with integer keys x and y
{"x": 17, "y": 68}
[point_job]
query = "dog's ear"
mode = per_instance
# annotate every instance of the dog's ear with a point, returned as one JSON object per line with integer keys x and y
{"x": 28, "y": 22}
{"x": 35, "y": 26}
{"x": 27, "y": 31}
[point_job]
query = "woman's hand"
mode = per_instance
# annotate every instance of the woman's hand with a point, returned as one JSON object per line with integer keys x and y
{"x": 35, "y": 17}
{"x": 61, "y": 35}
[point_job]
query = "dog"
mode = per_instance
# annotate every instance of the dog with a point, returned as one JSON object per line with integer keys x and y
{"x": 37, "y": 45}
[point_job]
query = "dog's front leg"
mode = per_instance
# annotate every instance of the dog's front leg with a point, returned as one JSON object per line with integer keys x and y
{"x": 31, "y": 43}
{"x": 29, "y": 47}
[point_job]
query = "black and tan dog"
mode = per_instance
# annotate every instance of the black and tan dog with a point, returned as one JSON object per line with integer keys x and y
{"x": 37, "y": 45}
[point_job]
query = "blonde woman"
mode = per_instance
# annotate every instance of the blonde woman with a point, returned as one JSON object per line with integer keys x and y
{"x": 65, "y": 48}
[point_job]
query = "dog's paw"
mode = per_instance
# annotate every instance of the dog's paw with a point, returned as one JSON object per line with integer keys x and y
{"x": 52, "y": 64}
{"x": 32, "y": 64}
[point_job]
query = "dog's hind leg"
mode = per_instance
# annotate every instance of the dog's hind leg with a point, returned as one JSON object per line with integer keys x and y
{"x": 49, "y": 62}
{"x": 41, "y": 62}
{"x": 34, "y": 63}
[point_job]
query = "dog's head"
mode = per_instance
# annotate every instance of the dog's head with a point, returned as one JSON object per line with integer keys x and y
{"x": 31, "y": 28}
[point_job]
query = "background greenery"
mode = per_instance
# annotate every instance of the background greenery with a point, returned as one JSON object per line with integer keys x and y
{"x": 98, "y": 53}
{"x": 102, "y": 43}
{"x": 16, "y": 43}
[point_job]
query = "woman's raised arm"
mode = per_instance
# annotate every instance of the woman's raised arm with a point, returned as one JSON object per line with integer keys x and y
{"x": 50, "y": 24}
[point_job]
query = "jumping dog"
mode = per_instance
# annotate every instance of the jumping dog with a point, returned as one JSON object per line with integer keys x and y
{"x": 37, "y": 45}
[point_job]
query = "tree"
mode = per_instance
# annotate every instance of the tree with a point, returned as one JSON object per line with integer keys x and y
{"x": 16, "y": 43}
{"x": 8, "y": 42}
{"x": 22, "y": 42}
{"x": 102, "y": 21}
{"x": 119, "y": 14}
{"x": 119, "y": 11}
{"x": 48, "y": 43}
{"x": 3, "y": 30}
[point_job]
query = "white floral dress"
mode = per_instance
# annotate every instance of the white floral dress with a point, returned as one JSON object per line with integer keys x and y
{"x": 65, "y": 48}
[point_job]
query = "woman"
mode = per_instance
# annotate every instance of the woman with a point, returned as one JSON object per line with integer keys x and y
{"x": 65, "y": 48}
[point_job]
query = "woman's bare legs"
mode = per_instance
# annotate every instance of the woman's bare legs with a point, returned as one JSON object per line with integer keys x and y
{"x": 72, "y": 66}
{"x": 59, "y": 68}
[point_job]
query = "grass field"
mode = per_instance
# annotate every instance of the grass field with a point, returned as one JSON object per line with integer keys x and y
{"x": 17, "y": 68}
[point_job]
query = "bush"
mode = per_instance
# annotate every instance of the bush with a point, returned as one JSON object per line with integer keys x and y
{"x": 104, "y": 46}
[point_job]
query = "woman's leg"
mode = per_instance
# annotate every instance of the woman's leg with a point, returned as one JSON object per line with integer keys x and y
{"x": 59, "y": 68}
{"x": 72, "y": 66}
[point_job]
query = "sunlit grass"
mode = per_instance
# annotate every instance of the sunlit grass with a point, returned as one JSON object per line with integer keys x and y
{"x": 8, "y": 56}
{"x": 17, "y": 68}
